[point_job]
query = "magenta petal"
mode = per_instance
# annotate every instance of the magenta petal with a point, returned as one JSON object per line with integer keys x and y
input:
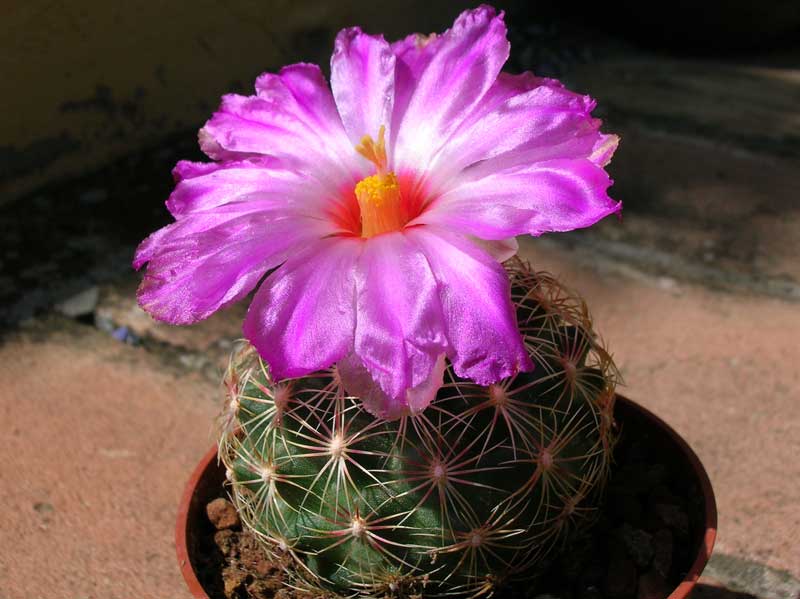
{"x": 254, "y": 181}
{"x": 362, "y": 79}
{"x": 400, "y": 328}
{"x": 419, "y": 397}
{"x": 206, "y": 262}
{"x": 522, "y": 119}
{"x": 303, "y": 316}
{"x": 555, "y": 195}
{"x": 186, "y": 169}
{"x": 358, "y": 382}
{"x": 302, "y": 89}
{"x": 301, "y": 132}
{"x": 499, "y": 249}
{"x": 440, "y": 82}
{"x": 486, "y": 345}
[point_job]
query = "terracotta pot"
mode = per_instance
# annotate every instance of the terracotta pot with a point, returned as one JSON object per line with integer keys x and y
{"x": 206, "y": 483}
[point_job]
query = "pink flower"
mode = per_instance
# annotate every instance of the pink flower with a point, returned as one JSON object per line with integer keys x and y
{"x": 384, "y": 204}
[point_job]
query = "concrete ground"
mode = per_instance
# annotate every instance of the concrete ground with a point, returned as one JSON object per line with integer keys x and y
{"x": 100, "y": 435}
{"x": 105, "y": 412}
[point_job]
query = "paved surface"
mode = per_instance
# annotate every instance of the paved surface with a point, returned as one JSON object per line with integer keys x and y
{"x": 98, "y": 439}
{"x": 104, "y": 413}
{"x": 100, "y": 435}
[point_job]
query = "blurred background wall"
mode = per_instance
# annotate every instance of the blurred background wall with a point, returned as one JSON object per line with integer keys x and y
{"x": 85, "y": 82}
{"x": 88, "y": 81}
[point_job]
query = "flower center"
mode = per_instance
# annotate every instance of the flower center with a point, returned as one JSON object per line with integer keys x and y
{"x": 379, "y": 199}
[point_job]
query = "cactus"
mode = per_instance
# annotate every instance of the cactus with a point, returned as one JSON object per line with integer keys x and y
{"x": 478, "y": 489}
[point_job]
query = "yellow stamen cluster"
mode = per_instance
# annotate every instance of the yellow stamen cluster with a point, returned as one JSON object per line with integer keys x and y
{"x": 377, "y": 189}
{"x": 379, "y": 194}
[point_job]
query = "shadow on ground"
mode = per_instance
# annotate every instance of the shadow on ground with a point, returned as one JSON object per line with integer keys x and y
{"x": 708, "y": 591}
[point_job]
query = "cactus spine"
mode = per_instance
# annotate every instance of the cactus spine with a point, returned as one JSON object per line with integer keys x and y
{"x": 476, "y": 490}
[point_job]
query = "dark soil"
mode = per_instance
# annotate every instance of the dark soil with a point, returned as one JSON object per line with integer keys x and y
{"x": 640, "y": 547}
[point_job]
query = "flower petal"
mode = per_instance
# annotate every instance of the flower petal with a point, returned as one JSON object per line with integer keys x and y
{"x": 362, "y": 79}
{"x": 486, "y": 345}
{"x": 302, "y": 88}
{"x": 303, "y": 316}
{"x": 525, "y": 118}
{"x": 554, "y": 195}
{"x": 210, "y": 260}
{"x": 419, "y": 397}
{"x": 283, "y": 122}
{"x": 358, "y": 382}
{"x": 187, "y": 169}
{"x": 203, "y": 187}
{"x": 400, "y": 327}
{"x": 441, "y": 80}
{"x": 499, "y": 249}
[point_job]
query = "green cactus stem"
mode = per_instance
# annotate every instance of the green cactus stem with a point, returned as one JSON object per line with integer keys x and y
{"x": 477, "y": 490}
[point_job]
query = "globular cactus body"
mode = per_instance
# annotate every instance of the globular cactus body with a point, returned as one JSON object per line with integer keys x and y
{"x": 476, "y": 490}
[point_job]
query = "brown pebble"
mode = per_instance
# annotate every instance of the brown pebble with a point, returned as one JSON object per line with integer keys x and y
{"x": 225, "y": 540}
{"x": 263, "y": 567}
{"x": 252, "y": 554}
{"x": 652, "y": 586}
{"x": 233, "y": 581}
{"x": 222, "y": 514}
